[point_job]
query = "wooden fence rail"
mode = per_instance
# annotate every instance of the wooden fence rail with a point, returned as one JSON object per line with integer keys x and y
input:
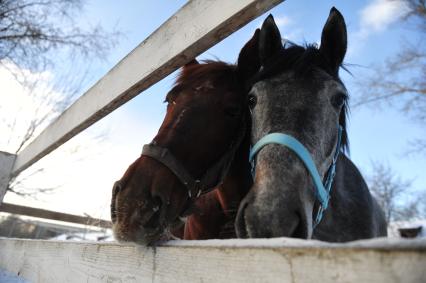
{"x": 198, "y": 25}
{"x": 276, "y": 260}
{"x": 53, "y": 215}
{"x": 195, "y": 27}
{"x": 190, "y": 31}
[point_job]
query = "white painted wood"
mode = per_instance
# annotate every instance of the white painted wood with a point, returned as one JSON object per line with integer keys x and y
{"x": 6, "y": 164}
{"x": 53, "y": 215}
{"x": 194, "y": 28}
{"x": 277, "y": 260}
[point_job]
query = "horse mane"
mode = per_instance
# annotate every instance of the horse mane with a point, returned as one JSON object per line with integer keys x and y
{"x": 303, "y": 60}
{"x": 216, "y": 71}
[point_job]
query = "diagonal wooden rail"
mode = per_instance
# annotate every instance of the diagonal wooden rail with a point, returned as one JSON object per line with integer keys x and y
{"x": 197, "y": 26}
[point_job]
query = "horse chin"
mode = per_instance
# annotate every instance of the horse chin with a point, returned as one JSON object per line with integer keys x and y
{"x": 294, "y": 229}
{"x": 266, "y": 218}
{"x": 139, "y": 236}
{"x": 147, "y": 236}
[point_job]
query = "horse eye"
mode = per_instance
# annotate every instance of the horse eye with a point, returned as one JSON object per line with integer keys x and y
{"x": 338, "y": 99}
{"x": 252, "y": 100}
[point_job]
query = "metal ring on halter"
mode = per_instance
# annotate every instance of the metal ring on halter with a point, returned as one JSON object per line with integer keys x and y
{"x": 197, "y": 184}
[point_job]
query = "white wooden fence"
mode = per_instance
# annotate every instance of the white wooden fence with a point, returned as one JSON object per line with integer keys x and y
{"x": 259, "y": 260}
{"x": 190, "y": 31}
{"x": 194, "y": 28}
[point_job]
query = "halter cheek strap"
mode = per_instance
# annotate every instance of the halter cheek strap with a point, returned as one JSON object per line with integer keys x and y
{"x": 322, "y": 191}
{"x": 212, "y": 177}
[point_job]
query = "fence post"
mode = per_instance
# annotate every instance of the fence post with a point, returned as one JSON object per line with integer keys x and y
{"x": 6, "y": 164}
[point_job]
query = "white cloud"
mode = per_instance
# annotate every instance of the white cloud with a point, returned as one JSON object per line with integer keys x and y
{"x": 283, "y": 21}
{"x": 287, "y": 26}
{"x": 379, "y": 14}
{"x": 376, "y": 17}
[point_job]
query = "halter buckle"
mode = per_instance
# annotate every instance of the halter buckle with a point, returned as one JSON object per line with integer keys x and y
{"x": 196, "y": 188}
{"x": 318, "y": 218}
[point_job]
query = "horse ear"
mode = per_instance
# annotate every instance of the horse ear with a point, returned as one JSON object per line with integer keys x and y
{"x": 192, "y": 62}
{"x": 269, "y": 39}
{"x": 334, "y": 39}
{"x": 248, "y": 59}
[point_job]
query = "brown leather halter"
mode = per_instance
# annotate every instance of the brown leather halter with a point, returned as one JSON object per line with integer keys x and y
{"x": 213, "y": 176}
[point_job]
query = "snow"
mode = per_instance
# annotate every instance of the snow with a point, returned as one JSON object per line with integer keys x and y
{"x": 7, "y": 277}
{"x": 394, "y": 226}
{"x": 91, "y": 236}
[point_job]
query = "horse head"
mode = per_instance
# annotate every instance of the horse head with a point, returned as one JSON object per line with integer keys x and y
{"x": 297, "y": 93}
{"x": 206, "y": 121}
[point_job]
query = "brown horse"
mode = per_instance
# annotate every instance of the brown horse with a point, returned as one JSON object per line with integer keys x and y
{"x": 196, "y": 168}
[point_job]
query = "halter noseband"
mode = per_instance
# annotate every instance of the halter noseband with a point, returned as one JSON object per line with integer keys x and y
{"x": 322, "y": 192}
{"x": 213, "y": 176}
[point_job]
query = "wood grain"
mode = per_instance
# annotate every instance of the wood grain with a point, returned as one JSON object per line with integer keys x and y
{"x": 277, "y": 260}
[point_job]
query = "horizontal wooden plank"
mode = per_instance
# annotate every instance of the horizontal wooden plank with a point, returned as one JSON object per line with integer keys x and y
{"x": 194, "y": 28}
{"x": 276, "y": 260}
{"x": 54, "y": 215}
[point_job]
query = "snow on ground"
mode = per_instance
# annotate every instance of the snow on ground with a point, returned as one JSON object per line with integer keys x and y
{"x": 7, "y": 277}
{"x": 394, "y": 226}
{"x": 90, "y": 236}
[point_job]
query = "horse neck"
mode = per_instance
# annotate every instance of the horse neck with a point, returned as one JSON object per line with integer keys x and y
{"x": 238, "y": 180}
{"x": 220, "y": 206}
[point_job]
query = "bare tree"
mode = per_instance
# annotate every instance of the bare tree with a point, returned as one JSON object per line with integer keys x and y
{"x": 401, "y": 80}
{"x": 417, "y": 11}
{"x": 42, "y": 101}
{"x": 32, "y": 32}
{"x": 402, "y": 77}
{"x": 31, "y": 29}
{"x": 395, "y": 195}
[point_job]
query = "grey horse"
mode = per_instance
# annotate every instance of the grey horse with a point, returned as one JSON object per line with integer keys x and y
{"x": 297, "y": 91}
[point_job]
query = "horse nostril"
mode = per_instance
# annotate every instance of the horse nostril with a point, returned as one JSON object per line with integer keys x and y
{"x": 156, "y": 204}
{"x": 153, "y": 222}
{"x": 240, "y": 223}
{"x": 151, "y": 214}
{"x": 116, "y": 188}
{"x": 300, "y": 229}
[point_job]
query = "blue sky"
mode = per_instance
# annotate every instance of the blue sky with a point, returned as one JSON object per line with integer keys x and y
{"x": 375, "y": 134}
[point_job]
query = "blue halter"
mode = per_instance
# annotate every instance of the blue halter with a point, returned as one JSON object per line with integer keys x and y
{"x": 322, "y": 191}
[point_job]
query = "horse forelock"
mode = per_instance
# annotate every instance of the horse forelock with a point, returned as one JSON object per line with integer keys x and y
{"x": 216, "y": 71}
